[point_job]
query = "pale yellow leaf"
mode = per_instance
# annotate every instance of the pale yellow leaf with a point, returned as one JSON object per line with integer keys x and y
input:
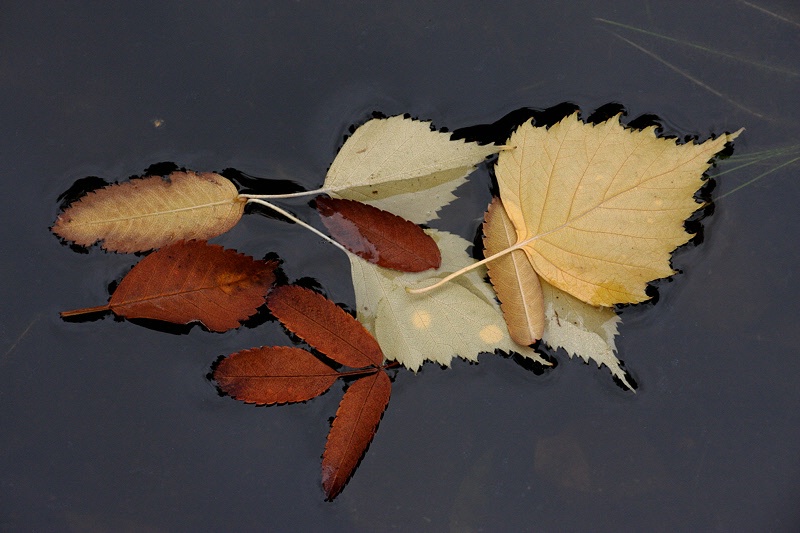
{"x": 514, "y": 280}
{"x": 535, "y": 309}
{"x": 460, "y": 319}
{"x": 148, "y": 213}
{"x": 417, "y": 199}
{"x": 401, "y": 156}
{"x": 600, "y": 208}
{"x": 581, "y": 329}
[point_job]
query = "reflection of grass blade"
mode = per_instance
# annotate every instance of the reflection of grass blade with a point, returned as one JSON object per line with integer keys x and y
{"x": 690, "y": 77}
{"x": 762, "y": 155}
{"x": 762, "y": 175}
{"x": 702, "y": 47}
{"x": 770, "y": 13}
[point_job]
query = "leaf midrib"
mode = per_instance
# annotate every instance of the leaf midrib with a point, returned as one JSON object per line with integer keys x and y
{"x": 156, "y": 213}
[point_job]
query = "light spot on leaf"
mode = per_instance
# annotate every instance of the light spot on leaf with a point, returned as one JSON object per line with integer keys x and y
{"x": 491, "y": 334}
{"x": 421, "y": 319}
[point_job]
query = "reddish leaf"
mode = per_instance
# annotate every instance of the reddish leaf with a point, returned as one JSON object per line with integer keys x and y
{"x": 192, "y": 281}
{"x": 378, "y": 236}
{"x": 274, "y": 374}
{"x": 325, "y": 326}
{"x": 355, "y": 424}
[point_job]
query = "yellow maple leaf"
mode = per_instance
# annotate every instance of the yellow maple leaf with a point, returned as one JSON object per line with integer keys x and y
{"x": 599, "y": 209}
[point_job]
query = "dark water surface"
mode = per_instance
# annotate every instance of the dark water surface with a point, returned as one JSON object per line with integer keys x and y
{"x": 109, "y": 425}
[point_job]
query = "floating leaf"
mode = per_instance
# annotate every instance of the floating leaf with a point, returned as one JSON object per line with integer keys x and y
{"x": 461, "y": 318}
{"x": 379, "y": 236}
{"x": 325, "y": 326}
{"x": 583, "y": 330}
{"x": 192, "y": 281}
{"x": 537, "y": 310}
{"x": 386, "y": 162}
{"x": 599, "y": 209}
{"x": 356, "y": 421}
{"x": 148, "y": 213}
{"x": 273, "y": 374}
{"x": 514, "y": 280}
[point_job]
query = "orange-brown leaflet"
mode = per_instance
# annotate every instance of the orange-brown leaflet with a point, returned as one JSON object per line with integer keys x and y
{"x": 192, "y": 281}
{"x": 378, "y": 236}
{"x": 143, "y": 214}
{"x": 325, "y": 326}
{"x": 274, "y": 374}
{"x": 355, "y": 424}
{"x": 514, "y": 280}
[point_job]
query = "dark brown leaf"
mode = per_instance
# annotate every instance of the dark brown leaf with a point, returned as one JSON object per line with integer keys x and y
{"x": 325, "y": 326}
{"x": 378, "y": 236}
{"x": 355, "y": 424}
{"x": 192, "y": 281}
{"x": 274, "y": 374}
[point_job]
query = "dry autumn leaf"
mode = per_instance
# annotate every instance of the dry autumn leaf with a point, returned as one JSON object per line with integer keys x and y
{"x": 356, "y": 421}
{"x": 325, "y": 326}
{"x": 192, "y": 281}
{"x": 270, "y": 375}
{"x": 536, "y": 310}
{"x": 399, "y": 165}
{"x": 378, "y": 236}
{"x": 273, "y": 374}
{"x": 397, "y": 149}
{"x": 514, "y": 280}
{"x": 599, "y": 208}
{"x": 148, "y": 213}
{"x": 582, "y": 330}
{"x": 462, "y": 318}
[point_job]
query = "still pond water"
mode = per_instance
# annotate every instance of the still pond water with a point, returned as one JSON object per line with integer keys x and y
{"x": 109, "y": 425}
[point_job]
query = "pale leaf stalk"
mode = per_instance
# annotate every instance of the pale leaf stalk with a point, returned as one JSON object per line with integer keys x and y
{"x": 297, "y": 221}
{"x": 299, "y": 194}
{"x": 473, "y": 266}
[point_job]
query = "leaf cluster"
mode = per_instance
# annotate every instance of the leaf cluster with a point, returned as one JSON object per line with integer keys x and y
{"x": 587, "y": 215}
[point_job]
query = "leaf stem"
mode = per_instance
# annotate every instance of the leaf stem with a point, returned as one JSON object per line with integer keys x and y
{"x": 296, "y": 221}
{"x": 369, "y": 369}
{"x": 361, "y": 371}
{"x": 299, "y": 194}
{"x": 466, "y": 269}
{"x": 85, "y": 311}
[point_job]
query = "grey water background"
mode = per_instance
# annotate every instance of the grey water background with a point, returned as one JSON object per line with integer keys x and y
{"x": 109, "y": 425}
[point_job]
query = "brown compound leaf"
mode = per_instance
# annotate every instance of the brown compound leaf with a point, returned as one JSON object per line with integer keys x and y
{"x": 192, "y": 281}
{"x": 356, "y": 421}
{"x": 378, "y": 236}
{"x": 273, "y": 374}
{"x": 148, "y": 213}
{"x": 325, "y": 326}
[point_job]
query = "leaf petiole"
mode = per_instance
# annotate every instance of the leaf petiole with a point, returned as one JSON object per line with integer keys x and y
{"x": 299, "y": 194}
{"x": 85, "y": 311}
{"x": 368, "y": 370}
{"x": 468, "y": 268}
{"x": 296, "y": 221}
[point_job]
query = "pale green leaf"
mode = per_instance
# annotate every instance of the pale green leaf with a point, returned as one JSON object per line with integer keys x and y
{"x": 399, "y": 156}
{"x": 461, "y": 318}
{"x": 581, "y": 329}
{"x": 417, "y": 199}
